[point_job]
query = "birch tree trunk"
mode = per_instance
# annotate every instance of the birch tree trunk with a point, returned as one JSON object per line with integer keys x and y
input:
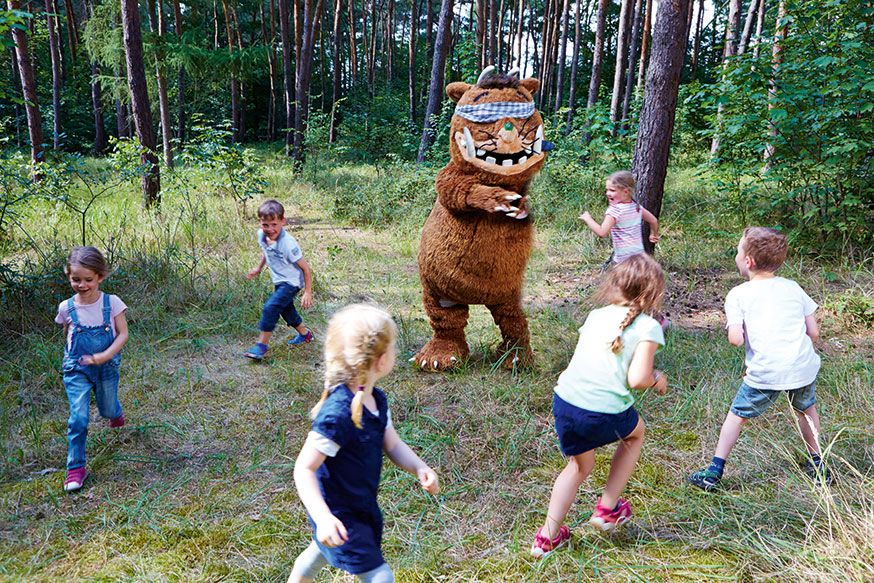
{"x": 438, "y": 65}
{"x": 728, "y": 51}
{"x": 55, "y": 52}
{"x": 782, "y": 30}
{"x": 139, "y": 94}
{"x": 650, "y": 162}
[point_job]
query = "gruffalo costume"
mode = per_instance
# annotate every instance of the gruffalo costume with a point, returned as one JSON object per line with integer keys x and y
{"x": 476, "y": 241}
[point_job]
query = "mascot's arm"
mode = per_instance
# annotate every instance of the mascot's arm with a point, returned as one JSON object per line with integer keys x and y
{"x": 463, "y": 192}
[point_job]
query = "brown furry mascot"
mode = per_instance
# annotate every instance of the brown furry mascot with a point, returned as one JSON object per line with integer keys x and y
{"x": 476, "y": 241}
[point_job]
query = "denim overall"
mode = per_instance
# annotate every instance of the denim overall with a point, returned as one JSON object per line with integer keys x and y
{"x": 80, "y": 379}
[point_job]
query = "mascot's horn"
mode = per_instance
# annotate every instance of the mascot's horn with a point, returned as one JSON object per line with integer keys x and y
{"x": 486, "y": 72}
{"x": 514, "y": 72}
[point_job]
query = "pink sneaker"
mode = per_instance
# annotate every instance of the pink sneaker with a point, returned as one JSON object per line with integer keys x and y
{"x": 75, "y": 479}
{"x": 542, "y": 545}
{"x": 117, "y": 422}
{"x": 607, "y": 519}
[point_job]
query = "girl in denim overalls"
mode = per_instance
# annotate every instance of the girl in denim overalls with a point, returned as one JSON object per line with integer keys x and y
{"x": 96, "y": 330}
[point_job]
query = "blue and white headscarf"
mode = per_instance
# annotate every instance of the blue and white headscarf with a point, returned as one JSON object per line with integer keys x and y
{"x": 490, "y": 112}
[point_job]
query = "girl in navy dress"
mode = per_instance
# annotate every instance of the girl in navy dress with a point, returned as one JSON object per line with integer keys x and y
{"x": 337, "y": 471}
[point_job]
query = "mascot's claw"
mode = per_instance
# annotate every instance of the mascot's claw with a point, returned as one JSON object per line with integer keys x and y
{"x": 440, "y": 354}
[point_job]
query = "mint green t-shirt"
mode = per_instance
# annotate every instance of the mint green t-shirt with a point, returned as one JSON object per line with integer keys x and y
{"x": 596, "y": 379}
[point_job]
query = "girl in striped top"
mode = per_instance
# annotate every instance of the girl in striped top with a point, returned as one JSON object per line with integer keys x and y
{"x": 624, "y": 218}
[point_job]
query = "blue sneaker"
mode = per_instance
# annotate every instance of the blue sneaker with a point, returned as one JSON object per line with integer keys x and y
{"x": 257, "y": 352}
{"x": 301, "y": 338}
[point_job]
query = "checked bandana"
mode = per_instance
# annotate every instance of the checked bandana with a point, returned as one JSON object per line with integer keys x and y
{"x": 490, "y": 112}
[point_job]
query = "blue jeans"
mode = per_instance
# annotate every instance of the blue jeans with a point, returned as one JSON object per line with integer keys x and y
{"x": 750, "y": 402}
{"x": 280, "y": 303}
{"x": 79, "y": 380}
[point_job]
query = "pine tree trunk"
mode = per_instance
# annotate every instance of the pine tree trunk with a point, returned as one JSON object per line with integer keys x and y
{"x": 72, "y": 29}
{"x": 644, "y": 44}
{"x": 142, "y": 113}
{"x": 748, "y": 28}
{"x": 311, "y": 18}
{"x": 55, "y": 52}
{"x": 625, "y": 16}
{"x": 158, "y": 24}
{"x": 411, "y": 58}
{"x": 335, "y": 93}
{"x": 698, "y": 32}
{"x": 632, "y": 58}
{"x": 288, "y": 78}
{"x": 650, "y": 162}
{"x": 28, "y": 88}
{"x": 572, "y": 100}
{"x": 493, "y": 32}
{"x": 270, "y": 42}
{"x": 759, "y": 23}
{"x": 180, "y": 81}
{"x": 597, "y": 53}
{"x": 100, "y": 142}
{"x": 438, "y": 65}
{"x": 562, "y": 55}
{"x": 728, "y": 51}
{"x": 16, "y": 90}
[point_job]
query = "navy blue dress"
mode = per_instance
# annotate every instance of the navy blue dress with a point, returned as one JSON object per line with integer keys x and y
{"x": 349, "y": 481}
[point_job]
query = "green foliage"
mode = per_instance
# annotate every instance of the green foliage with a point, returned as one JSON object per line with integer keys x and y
{"x": 375, "y": 129}
{"x": 816, "y": 124}
{"x": 854, "y": 306}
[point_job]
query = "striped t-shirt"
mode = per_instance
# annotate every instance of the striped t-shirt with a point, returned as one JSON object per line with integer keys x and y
{"x": 626, "y": 235}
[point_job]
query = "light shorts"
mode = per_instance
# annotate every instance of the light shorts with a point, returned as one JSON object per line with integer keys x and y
{"x": 750, "y": 402}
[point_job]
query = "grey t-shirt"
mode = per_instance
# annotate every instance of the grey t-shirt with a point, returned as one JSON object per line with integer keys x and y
{"x": 282, "y": 256}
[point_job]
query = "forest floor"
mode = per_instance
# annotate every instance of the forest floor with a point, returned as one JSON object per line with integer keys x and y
{"x": 198, "y": 484}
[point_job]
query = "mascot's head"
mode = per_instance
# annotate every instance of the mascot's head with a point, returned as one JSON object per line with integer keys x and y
{"x": 495, "y": 127}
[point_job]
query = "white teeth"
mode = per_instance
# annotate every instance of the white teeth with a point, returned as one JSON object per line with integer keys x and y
{"x": 491, "y": 160}
{"x": 512, "y": 197}
{"x": 480, "y": 152}
{"x": 468, "y": 142}
{"x": 538, "y": 141}
{"x": 523, "y": 159}
{"x": 507, "y": 163}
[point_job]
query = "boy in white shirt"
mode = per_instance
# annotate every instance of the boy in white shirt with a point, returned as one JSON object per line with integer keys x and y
{"x": 774, "y": 319}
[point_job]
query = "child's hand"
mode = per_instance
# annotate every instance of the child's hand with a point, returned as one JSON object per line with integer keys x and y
{"x": 331, "y": 532}
{"x": 254, "y": 273}
{"x": 306, "y": 300}
{"x": 428, "y": 480}
{"x": 653, "y": 237}
{"x": 90, "y": 359}
{"x": 661, "y": 382}
{"x": 586, "y": 216}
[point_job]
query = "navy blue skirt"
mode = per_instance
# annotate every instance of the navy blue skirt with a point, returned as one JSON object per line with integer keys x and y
{"x": 580, "y": 430}
{"x": 362, "y": 552}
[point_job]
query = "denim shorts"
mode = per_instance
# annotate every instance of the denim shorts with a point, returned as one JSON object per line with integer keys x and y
{"x": 750, "y": 402}
{"x": 580, "y": 430}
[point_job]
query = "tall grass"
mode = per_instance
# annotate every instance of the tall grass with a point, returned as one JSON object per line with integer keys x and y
{"x": 198, "y": 485}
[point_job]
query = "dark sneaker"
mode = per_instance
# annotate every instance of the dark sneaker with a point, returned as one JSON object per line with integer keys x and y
{"x": 819, "y": 473}
{"x": 117, "y": 422}
{"x": 607, "y": 519}
{"x": 705, "y": 479}
{"x": 543, "y": 545}
{"x": 301, "y": 338}
{"x": 75, "y": 479}
{"x": 257, "y": 352}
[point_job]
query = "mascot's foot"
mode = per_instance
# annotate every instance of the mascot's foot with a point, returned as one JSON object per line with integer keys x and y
{"x": 439, "y": 354}
{"x": 513, "y": 356}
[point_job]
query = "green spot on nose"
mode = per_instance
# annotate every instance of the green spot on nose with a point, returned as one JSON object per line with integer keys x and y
{"x": 508, "y": 127}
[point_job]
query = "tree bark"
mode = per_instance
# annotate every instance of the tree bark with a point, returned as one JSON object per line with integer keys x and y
{"x": 288, "y": 73}
{"x": 55, "y": 52}
{"x": 270, "y": 43}
{"x": 656, "y": 126}
{"x": 28, "y": 88}
{"x": 180, "y": 82}
{"x": 311, "y": 17}
{"x": 698, "y": 32}
{"x": 782, "y": 30}
{"x": 411, "y": 58}
{"x": 597, "y": 53}
{"x": 142, "y": 113}
{"x": 728, "y": 51}
{"x": 493, "y": 32}
{"x": 572, "y": 99}
{"x": 644, "y": 44}
{"x": 72, "y": 29}
{"x": 236, "y": 117}
{"x": 759, "y": 23}
{"x": 748, "y": 28}
{"x": 438, "y": 64}
{"x": 16, "y": 90}
{"x": 562, "y": 54}
{"x": 625, "y": 15}
{"x": 335, "y": 89}
{"x": 157, "y": 24}
{"x": 632, "y": 57}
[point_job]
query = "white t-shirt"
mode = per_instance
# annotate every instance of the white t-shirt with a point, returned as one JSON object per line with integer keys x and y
{"x": 90, "y": 314}
{"x": 282, "y": 256}
{"x": 780, "y": 355}
{"x": 596, "y": 379}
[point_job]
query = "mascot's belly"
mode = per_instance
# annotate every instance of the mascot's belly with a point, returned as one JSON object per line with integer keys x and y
{"x": 474, "y": 258}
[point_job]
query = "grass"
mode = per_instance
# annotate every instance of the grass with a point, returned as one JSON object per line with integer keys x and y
{"x": 198, "y": 485}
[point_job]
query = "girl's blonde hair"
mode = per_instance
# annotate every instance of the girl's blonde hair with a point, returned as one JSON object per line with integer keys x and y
{"x": 637, "y": 282}
{"x": 623, "y": 179}
{"x": 89, "y": 258}
{"x": 357, "y": 336}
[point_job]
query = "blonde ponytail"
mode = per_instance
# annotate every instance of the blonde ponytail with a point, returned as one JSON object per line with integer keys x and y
{"x": 633, "y": 312}
{"x": 357, "y": 336}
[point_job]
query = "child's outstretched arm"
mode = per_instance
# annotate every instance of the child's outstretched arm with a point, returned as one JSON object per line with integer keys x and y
{"x": 641, "y": 374}
{"x": 601, "y": 230}
{"x": 329, "y": 529}
{"x": 257, "y": 271}
{"x": 653, "y": 223}
{"x": 306, "y": 300}
{"x": 118, "y": 343}
{"x": 406, "y": 459}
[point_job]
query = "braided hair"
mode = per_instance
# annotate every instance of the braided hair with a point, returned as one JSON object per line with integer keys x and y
{"x": 357, "y": 336}
{"x": 639, "y": 283}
